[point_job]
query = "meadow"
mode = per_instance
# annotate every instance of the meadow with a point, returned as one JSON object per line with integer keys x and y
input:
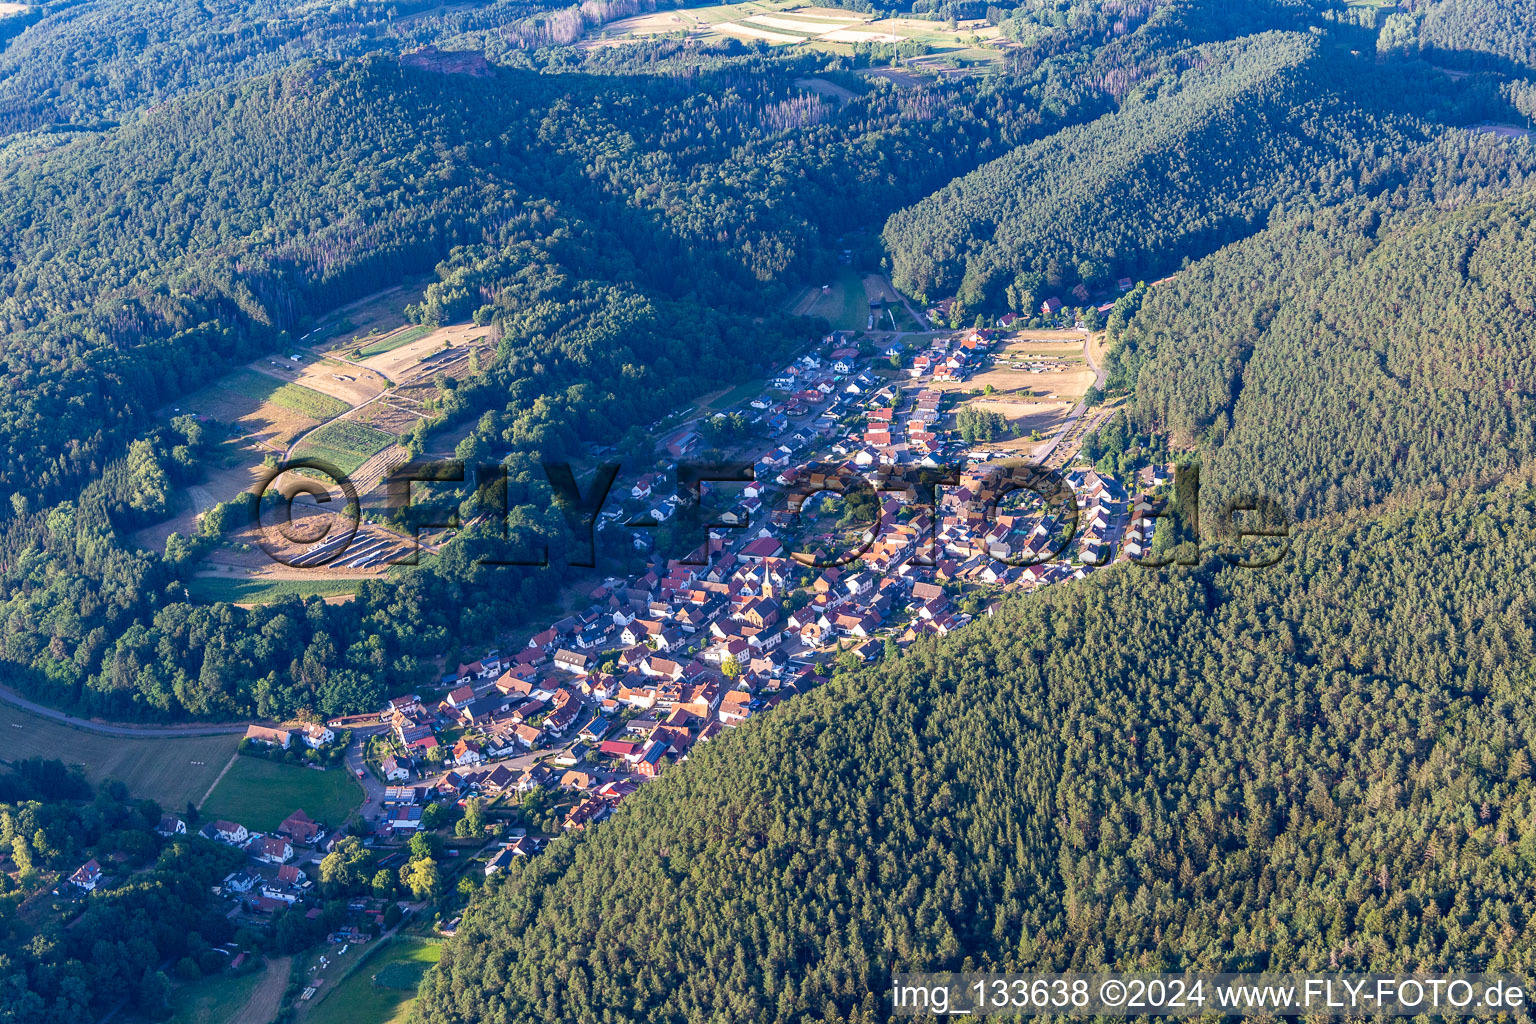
{"x": 264, "y": 591}
{"x": 259, "y": 794}
{"x": 170, "y": 770}
{"x": 390, "y": 342}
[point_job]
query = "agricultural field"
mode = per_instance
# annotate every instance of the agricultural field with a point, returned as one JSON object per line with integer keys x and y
{"x": 259, "y": 794}
{"x": 785, "y": 23}
{"x": 308, "y": 402}
{"x": 414, "y": 350}
{"x": 345, "y": 444}
{"x": 348, "y": 384}
{"x": 171, "y": 770}
{"x": 260, "y": 406}
{"x": 381, "y": 990}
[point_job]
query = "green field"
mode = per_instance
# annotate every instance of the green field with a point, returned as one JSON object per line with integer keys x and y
{"x": 258, "y": 387}
{"x": 259, "y": 794}
{"x": 258, "y": 591}
{"x": 394, "y": 341}
{"x": 307, "y": 401}
{"x": 382, "y": 989}
{"x": 154, "y": 769}
{"x": 855, "y": 312}
{"x": 345, "y": 444}
{"x": 212, "y": 1000}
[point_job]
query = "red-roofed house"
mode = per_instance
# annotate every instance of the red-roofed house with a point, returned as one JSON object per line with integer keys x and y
{"x": 272, "y": 850}
{"x": 87, "y": 876}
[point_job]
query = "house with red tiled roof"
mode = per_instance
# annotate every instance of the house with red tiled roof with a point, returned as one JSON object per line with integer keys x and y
{"x": 271, "y": 849}
{"x": 87, "y": 876}
{"x": 269, "y": 736}
{"x": 301, "y": 828}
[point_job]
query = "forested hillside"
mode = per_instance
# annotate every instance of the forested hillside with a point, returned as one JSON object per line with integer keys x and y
{"x": 1322, "y": 765}
{"x": 1344, "y": 356}
{"x": 1497, "y": 34}
{"x": 148, "y": 258}
{"x": 629, "y": 234}
{"x": 1197, "y": 157}
{"x": 89, "y": 61}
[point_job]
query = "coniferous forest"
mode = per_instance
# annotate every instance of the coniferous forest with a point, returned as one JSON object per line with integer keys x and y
{"x": 1308, "y": 227}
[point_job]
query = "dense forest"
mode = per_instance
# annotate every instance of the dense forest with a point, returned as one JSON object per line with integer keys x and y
{"x": 89, "y": 61}
{"x": 1191, "y": 161}
{"x": 1322, "y": 765}
{"x": 1478, "y": 34}
{"x": 1346, "y": 355}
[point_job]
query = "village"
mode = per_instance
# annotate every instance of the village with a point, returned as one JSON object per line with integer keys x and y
{"x": 553, "y": 734}
{"x": 877, "y": 516}
{"x": 601, "y": 701}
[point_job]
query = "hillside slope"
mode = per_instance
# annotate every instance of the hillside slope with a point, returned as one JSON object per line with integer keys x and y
{"x": 1324, "y": 764}
{"x": 1481, "y": 34}
{"x": 1340, "y": 358}
{"x": 1191, "y": 162}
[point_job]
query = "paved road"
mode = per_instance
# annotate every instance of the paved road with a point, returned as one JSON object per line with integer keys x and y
{"x": 10, "y": 696}
{"x": 373, "y": 801}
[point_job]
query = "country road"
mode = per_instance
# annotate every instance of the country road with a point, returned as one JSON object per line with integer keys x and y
{"x": 125, "y": 730}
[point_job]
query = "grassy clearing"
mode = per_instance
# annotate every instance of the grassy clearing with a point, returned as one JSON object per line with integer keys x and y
{"x": 259, "y": 794}
{"x": 259, "y": 591}
{"x": 394, "y": 341}
{"x": 855, "y": 311}
{"x": 248, "y": 384}
{"x": 213, "y": 1000}
{"x": 171, "y": 771}
{"x": 382, "y": 990}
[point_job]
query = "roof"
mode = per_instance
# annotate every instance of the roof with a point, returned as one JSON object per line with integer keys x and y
{"x": 266, "y": 734}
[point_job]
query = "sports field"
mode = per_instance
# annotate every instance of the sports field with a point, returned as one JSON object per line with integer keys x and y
{"x": 259, "y": 794}
{"x": 381, "y": 990}
{"x": 171, "y": 771}
{"x": 844, "y": 303}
